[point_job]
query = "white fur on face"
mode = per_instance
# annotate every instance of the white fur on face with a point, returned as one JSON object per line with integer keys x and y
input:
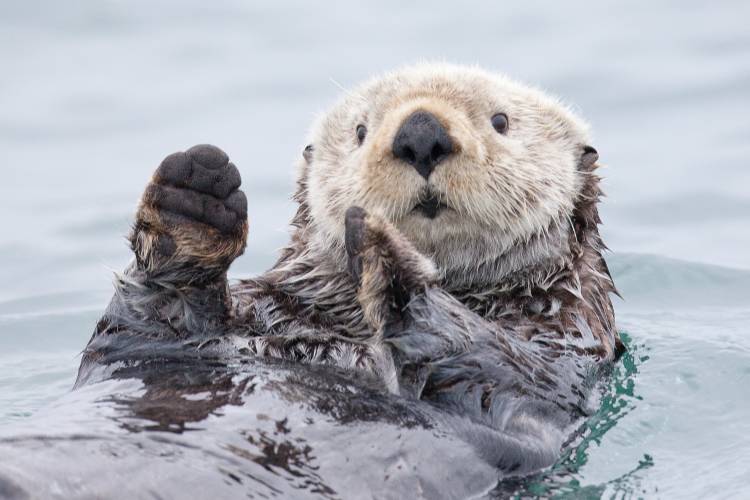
{"x": 501, "y": 189}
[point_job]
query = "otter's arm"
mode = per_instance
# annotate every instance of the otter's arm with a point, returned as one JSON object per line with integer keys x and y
{"x": 444, "y": 351}
{"x": 190, "y": 225}
{"x": 513, "y": 398}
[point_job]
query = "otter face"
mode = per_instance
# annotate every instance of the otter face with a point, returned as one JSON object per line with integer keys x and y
{"x": 465, "y": 163}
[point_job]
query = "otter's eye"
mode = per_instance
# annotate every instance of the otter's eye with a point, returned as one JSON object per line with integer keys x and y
{"x": 361, "y": 133}
{"x": 500, "y": 122}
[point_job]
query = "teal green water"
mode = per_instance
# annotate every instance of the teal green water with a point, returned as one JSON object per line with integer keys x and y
{"x": 619, "y": 398}
{"x": 93, "y": 95}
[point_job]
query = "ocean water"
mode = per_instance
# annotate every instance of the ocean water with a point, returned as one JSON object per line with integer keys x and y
{"x": 93, "y": 94}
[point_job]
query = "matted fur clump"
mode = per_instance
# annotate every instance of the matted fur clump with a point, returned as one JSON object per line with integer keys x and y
{"x": 446, "y": 245}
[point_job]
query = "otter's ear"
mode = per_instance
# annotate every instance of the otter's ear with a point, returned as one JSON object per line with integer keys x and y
{"x": 307, "y": 153}
{"x": 588, "y": 158}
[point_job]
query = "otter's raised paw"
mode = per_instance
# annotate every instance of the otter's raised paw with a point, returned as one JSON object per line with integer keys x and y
{"x": 200, "y": 185}
{"x": 192, "y": 212}
{"x": 385, "y": 265}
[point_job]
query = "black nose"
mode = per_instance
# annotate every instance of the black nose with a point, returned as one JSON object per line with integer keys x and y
{"x": 422, "y": 142}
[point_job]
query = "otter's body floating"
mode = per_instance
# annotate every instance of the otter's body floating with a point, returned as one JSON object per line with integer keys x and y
{"x": 445, "y": 247}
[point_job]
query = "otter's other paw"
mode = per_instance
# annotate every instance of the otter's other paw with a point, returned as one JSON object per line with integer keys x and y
{"x": 192, "y": 213}
{"x": 385, "y": 265}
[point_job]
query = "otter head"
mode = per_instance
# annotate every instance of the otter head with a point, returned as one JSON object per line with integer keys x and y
{"x": 479, "y": 172}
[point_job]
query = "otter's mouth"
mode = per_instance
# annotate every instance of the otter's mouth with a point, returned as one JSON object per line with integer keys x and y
{"x": 430, "y": 206}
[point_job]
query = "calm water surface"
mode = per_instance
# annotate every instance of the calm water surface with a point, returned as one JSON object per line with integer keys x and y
{"x": 93, "y": 94}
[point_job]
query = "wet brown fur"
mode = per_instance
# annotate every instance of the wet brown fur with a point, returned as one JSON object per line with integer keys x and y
{"x": 509, "y": 341}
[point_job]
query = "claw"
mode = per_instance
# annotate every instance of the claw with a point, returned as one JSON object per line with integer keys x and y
{"x": 354, "y": 239}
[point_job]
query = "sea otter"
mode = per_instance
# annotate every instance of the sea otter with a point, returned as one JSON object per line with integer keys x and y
{"x": 446, "y": 245}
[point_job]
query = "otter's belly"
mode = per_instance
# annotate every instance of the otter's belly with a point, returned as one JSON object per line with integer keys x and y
{"x": 203, "y": 430}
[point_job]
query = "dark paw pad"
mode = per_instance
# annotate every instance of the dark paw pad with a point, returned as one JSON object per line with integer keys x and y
{"x": 199, "y": 184}
{"x": 202, "y": 168}
{"x": 207, "y": 155}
